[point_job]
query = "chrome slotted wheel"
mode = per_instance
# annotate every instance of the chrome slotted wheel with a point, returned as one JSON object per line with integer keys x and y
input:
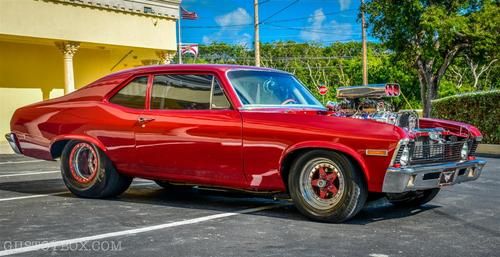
{"x": 83, "y": 163}
{"x": 322, "y": 184}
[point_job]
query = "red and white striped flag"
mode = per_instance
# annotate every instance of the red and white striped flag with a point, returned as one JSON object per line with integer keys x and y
{"x": 187, "y": 15}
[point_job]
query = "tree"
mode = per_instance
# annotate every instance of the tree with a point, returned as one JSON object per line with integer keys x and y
{"x": 431, "y": 33}
{"x": 337, "y": 64}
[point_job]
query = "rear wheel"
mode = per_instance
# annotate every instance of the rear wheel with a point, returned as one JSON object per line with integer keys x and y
{"x": 412, "y": 199}
{"x": 87, "y": 172}
{"x": 326, "y": 186}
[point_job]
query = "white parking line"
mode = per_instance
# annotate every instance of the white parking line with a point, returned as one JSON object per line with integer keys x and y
{"x": 29, "y": 173}
{"x": 14, "y": 162}
{"x": 57, "y": 193}
{"x": 31, "y": 196}
{"x": 135, "y": 231}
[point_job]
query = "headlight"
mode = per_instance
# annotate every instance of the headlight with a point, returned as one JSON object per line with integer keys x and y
{"x": 465, "y": 151}
{"x": 405, "y": 156}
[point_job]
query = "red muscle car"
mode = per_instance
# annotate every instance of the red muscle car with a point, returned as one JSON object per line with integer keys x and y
{"x": 246, "y": 128}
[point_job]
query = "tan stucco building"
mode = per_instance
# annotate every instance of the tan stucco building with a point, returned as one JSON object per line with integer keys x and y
{"x": 49, "y": 47}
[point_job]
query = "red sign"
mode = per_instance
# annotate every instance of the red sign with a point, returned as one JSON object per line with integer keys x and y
{"x": 322, "y": 90}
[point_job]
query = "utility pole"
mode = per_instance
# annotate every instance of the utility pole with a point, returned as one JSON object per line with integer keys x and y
{"x": 256, "y": 32}
{"x": 179, "y": 44}
{"x": 363, "y": 36}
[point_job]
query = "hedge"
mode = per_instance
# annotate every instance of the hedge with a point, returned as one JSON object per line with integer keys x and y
{"x": 481, "y": 109}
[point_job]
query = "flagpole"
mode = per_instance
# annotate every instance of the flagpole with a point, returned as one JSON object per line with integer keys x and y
{"x": 179, "y": 50}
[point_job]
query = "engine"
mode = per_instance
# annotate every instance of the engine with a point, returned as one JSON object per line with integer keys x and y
{"x": 367, "y": 102}
{"x": 426, "y": 143}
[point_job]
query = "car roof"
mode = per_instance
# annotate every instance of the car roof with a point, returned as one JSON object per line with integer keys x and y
{"x": 189, "y": 67}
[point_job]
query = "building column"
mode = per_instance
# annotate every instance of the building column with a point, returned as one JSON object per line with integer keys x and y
{"x": 68, "y": 49}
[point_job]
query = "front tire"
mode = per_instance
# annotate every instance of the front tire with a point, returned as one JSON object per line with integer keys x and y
{"x": 88, "y": 172}
{"x": 327, "y": 186}
{"x": 412, "y": 199}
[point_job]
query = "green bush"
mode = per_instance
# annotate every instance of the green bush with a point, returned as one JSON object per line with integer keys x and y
{"x": 481, "y": 109}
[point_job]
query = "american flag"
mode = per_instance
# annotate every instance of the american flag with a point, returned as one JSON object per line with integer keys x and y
{"x": 187, "y": 15}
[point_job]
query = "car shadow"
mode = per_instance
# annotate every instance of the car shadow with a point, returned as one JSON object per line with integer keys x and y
{"x": 215, "y": 200}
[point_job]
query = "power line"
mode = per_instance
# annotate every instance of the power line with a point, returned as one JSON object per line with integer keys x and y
{"x": 311, "y": 16}
{"x": 283, "y": 58}
{"x": 279, "y": 11}
{"x": 268, "y": 22}
{"x": 303, "y": 29}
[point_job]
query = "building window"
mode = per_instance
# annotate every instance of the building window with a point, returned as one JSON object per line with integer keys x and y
{"x": 133, "y": 95}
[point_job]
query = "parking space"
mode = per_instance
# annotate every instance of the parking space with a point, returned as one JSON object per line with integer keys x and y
{"x": 39, "y": 217}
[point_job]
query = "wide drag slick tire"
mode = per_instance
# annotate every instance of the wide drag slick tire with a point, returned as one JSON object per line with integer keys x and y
{"x": 87, "y": 172}
{"x": 327, "y": 186}
{"x": 412, "y": 199}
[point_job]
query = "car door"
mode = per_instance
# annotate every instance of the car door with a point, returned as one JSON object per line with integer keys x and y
{"x": 190, "y": 133}
{"x": 117, "y": 120}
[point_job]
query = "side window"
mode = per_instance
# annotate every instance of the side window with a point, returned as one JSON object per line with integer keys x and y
{"x": 186, "y": 92}
{"x": 133, "y": 95}
{"x": 181, "y": 92}
{"x": 219, "y": 100}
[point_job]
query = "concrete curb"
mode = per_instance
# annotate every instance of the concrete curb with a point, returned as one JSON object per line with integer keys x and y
{"x": 488, "y": 150}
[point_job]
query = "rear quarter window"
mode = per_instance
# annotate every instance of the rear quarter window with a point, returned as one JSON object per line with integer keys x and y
{"x": 133, "y": 95}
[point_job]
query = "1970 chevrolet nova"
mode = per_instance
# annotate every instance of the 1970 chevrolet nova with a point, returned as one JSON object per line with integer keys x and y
{"x": 246, "y": 128}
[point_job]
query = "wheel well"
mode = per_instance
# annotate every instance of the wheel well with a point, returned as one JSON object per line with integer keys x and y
{"x": 57, "y": 148}
{"x": 291, "y": 157}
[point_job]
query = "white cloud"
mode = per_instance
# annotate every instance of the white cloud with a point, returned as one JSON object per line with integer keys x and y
{"x": 316, "y": 23}
{"x": 344, "y": 4}
{"x": 321, "y": 30}
{"x": 229, "y": 28}
{"x": 237, "y": 17}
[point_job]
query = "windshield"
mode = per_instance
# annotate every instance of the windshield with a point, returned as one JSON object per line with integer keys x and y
{"x": 269, "y": 88}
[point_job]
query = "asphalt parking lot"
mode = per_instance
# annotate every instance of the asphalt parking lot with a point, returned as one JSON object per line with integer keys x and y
{"x": 39, "y": 217}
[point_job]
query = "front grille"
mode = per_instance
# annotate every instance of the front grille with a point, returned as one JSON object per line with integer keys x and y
{"x": 473, "y": 147}
{"x": 426, "y": 151}
{"x": 429, "y": 152}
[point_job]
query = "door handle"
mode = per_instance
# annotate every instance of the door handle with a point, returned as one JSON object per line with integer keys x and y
{"x": 143, "y": 120}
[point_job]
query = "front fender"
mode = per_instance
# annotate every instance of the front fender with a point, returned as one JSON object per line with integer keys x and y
{"x": 329, "y": 146}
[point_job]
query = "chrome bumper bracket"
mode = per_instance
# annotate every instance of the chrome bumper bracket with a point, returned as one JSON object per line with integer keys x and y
{"x": 12, "y": 139}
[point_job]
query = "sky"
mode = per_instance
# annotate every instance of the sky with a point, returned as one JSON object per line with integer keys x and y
{"x": 322, "y": 21}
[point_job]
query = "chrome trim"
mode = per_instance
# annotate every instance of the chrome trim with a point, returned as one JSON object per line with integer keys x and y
{"x": 12, "y": 139}
{"x": 411, "y": 178}
{"x": 401, "y": 142}
{"x": 212, "y": 92}
{"x": 294, "y": 106}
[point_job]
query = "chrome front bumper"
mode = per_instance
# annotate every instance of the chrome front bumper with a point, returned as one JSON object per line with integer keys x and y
{"x": 419, "y": 177}
{"x": 11, "y": 138}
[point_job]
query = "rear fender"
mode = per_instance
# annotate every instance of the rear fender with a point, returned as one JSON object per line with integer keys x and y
{"x": 84, "y": 138}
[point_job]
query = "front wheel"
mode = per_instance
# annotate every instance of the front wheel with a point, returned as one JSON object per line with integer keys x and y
{"x": 327, "y": 186}
{"x": 412, "y": 199}
{"x": 87, "y": 172}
